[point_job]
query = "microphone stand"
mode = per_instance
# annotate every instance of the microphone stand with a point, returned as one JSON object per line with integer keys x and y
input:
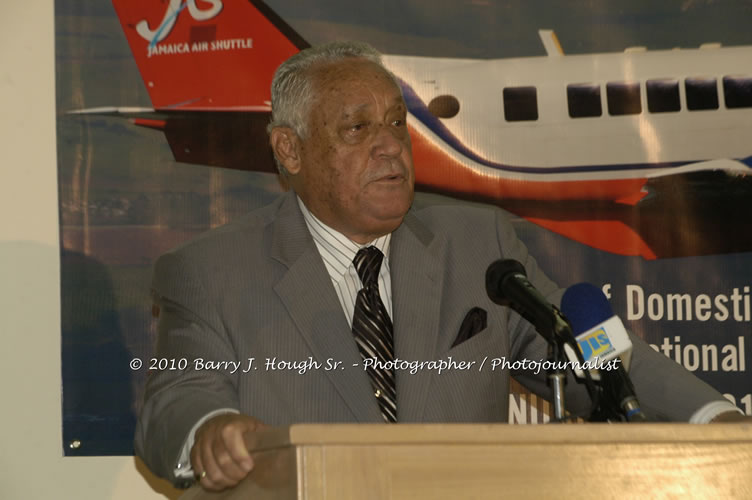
{"x": 557, "y": 331}
{"x": 619, "y": 402}
{"x": 560, "y": 333}
{"x": 557, "y": 380}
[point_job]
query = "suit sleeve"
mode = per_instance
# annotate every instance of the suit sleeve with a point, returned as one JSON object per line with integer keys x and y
{"x": 666, "y": 390}
{"x": 190, "y": 332}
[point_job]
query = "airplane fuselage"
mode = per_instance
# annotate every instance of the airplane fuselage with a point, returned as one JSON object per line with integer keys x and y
{"x": 645, "y": 124}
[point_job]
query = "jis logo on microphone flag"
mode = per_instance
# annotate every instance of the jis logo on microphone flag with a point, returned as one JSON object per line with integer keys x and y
{"x": 595, "y": 343}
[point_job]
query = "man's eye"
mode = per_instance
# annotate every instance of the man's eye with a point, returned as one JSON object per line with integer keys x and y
{"x": 357, "y": 127}
{"x": 399, "y": 122}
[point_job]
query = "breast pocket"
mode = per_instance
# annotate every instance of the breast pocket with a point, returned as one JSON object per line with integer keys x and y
{"x": 475, "y": 321}
{"x": 479, "y": 334}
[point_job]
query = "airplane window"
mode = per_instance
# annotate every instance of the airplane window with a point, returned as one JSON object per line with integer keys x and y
{"x": 444, "y": 106}
{"x": 737, "y": 91}
{"x": 584, "y": 99}
{"x": 663, "y": 95}
{"x": 702, "y": 93}
{"x": 520, "y": 104}
{"x": 623, "y": 98}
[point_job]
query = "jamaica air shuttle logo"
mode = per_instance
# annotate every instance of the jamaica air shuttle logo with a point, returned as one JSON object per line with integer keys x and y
{"x": 174, "y": 8}
{"x": 158, "y": 36}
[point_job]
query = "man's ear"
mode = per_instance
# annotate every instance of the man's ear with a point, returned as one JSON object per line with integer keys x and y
{"x": 286, "y": 146}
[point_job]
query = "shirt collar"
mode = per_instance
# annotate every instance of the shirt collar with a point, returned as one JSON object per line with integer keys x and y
{"x": 337, "y": 250}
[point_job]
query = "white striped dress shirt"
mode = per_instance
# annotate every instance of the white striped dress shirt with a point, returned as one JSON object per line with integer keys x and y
{"x": 338, "y": 252}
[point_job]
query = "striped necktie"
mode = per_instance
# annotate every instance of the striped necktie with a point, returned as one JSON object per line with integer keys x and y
{"x": 373, "y": 332}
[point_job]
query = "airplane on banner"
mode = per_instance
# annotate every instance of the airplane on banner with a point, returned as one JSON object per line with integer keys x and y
{"x": 573, "y": 143}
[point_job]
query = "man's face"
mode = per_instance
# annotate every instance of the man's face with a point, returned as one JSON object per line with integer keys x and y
{"x": 356, "y": 168}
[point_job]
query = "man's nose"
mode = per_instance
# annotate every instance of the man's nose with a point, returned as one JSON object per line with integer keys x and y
{"x": 388, "y": 141}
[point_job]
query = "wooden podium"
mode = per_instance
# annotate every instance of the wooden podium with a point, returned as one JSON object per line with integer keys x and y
{"x": 467, "y": 461}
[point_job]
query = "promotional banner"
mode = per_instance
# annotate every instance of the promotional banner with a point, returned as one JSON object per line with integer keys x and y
{"x": 618, "y": 136}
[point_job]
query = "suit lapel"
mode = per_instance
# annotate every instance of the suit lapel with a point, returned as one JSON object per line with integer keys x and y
{"x": 312, "y": 303}
{"x": 417, "y": 282}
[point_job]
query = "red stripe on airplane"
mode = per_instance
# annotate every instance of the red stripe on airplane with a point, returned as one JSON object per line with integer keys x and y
{"x": 609, "y": 235}
{"x": 435, "y": 169}
{"x": 150, "y": 123}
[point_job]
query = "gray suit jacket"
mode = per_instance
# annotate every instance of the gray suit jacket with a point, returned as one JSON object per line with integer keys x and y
{"x": 258, "y": 288}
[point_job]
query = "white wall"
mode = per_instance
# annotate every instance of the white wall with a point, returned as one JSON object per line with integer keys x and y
{"x": 32, "y": 465}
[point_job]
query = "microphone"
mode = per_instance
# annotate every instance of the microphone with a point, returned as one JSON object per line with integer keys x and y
{"x": 507, "y": 285}
{"x": 598, "y": 331}
{"x": 601, "y": 334}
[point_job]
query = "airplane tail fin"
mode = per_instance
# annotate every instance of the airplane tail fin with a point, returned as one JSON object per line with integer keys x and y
{"x": 213, "y": 54}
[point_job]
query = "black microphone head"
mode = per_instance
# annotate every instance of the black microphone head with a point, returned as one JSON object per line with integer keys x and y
{"x": 496, "y": 273}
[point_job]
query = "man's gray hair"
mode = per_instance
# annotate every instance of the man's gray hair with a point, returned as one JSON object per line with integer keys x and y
{"x": 293, "y": 87}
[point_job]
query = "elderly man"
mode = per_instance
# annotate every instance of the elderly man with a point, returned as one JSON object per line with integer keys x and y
{"x": 342, "y": 274}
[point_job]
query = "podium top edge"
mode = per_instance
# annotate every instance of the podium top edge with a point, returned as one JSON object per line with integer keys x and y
{"x": 552, "y": 434}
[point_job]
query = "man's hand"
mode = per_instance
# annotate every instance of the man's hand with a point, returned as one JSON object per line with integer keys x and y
{"x": 219, "y": 456}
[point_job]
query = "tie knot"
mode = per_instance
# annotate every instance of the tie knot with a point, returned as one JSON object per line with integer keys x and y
{"x": 368, "y": 263}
